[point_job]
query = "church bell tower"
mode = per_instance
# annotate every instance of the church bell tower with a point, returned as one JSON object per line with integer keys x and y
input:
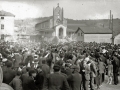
{"x": 58, "y": 15}
{"x": 59, "y": 23}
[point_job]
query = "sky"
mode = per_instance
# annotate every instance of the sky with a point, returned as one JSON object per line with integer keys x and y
{"x": 73, "y": 9}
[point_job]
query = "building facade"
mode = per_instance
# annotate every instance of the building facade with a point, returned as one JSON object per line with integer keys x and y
{"x": 117, "y": 39}
{"x": 55, "y": 25}
{"x": 99, "y": 38}
{"x": 6, "y": 24}
{"x": 77, "y": 30}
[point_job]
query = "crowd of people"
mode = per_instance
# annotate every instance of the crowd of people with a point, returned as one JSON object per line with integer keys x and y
{"x": 68, "y": 66}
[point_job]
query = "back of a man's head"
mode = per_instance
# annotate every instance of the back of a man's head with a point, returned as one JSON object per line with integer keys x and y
{"x": 9, "y": 64}
{"x": 56, "y": 68}
{"x": 18, "y": 73}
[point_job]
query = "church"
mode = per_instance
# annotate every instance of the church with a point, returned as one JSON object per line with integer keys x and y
{"x": 76, "y": 30}
{"x": 55, "y": 25}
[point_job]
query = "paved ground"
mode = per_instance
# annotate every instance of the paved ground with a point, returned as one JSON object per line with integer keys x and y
{"x": 110, "y": 87}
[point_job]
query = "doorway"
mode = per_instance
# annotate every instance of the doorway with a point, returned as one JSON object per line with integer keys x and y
{"x": 61, "y": 33}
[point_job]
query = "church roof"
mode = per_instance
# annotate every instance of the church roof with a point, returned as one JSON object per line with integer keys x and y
{"x": 45, "y": 19}
{"x": 70, "y": 30}
{"x": 4, "y": 13}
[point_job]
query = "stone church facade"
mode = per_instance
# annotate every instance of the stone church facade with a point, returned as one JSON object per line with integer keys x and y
{"x": 55, "y": 25}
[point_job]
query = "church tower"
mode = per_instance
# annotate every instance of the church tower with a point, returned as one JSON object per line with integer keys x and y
{"x": 59, "y": 23}
{"x": 58, "y": 15}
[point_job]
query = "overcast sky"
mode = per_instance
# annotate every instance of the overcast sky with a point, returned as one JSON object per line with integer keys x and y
{"x": 73, "y": 9}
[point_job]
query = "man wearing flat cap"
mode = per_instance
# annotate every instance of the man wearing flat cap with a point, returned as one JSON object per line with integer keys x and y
{"x": 56, "y": 81}
{"x": 75, "y": 78}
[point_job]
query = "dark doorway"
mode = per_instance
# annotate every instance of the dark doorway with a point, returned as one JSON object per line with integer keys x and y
{"x": 61, "y": 33}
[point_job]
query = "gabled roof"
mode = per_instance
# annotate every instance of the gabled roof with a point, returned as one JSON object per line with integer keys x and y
{"x": 4, "y": 13}
{"x": 96, "y": 30}
{"x": 78, "y": 30}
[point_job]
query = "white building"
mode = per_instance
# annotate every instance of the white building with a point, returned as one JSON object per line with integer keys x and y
{"x": 117, "y": 39}
{"x": 97, "y": 34}
{"x": 116, "y": 34}
{"x": 93, "y": 34}
{"x": 6, "y": 24}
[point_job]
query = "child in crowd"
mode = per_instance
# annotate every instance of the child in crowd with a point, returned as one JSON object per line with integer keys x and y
{"x": 110, "y": 72}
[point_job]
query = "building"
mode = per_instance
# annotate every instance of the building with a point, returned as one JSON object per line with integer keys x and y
{"x": 79, "y": 30}
{"x": 6, "y": 24}
{"x": 117, "y": 39}
{"x": 116, "y": 34}
{"x": 97, "y": 34}
{"x": 55, "y": 25}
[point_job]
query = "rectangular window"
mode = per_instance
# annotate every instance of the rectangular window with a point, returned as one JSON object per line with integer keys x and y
{"x": 2, "y": 17}
{"x": 2, "y": 26}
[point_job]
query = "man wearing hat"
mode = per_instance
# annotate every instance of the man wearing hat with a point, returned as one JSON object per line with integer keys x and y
{"x": 56, "y": 81}
{"x": 25, "y": 78}
{"x": 39, "y": 79}
{"x": 16, "y": 83}
{"x": 75, "y": 78}
{"x": 31, "y": 82}
{"x": 9, "y": 74}
{"x": 115, "y": 67}
{"x": 17, "y": 59}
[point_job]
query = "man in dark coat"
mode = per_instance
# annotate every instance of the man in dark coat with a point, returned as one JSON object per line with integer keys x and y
{"x": 75, "y": 79}
{"x": 24, "y": 78}
{"x": 30, "y": 84}
{"x": 115, "y": 68}
{"x": 18, "y": 59}
{"x": 16, "y": 83}
{"x": 56, "y": 81}
{"x": 9, "y": 74}
{"x": 39, "y": 80}
{"x": 45, "y": 68}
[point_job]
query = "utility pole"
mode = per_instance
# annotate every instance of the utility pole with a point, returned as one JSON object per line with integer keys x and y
{"x": 110, "y": 21}
{"x": 111, "y": 26}
{"x": 112, "y": 31}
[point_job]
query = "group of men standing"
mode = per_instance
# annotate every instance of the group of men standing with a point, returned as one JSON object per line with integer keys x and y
{"x": 69, "y": 66}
